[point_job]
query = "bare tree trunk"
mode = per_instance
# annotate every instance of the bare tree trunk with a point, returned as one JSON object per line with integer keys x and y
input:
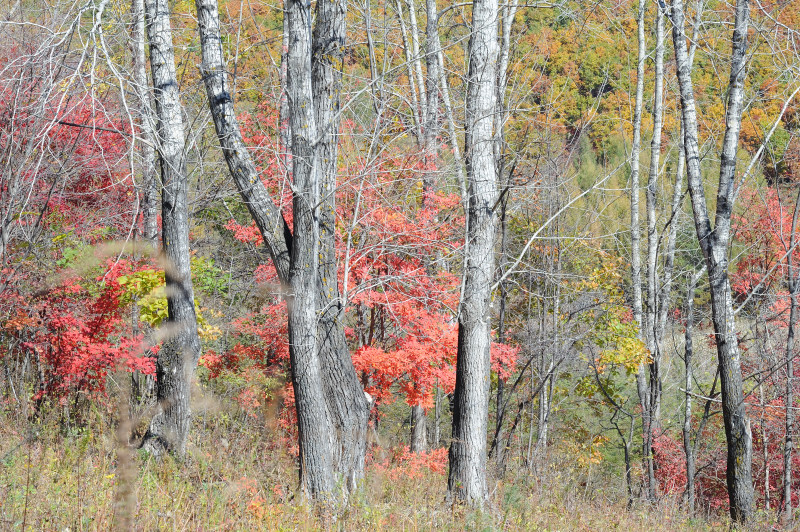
{"x": 499, "y": 435}
{"x": 147, "y": 148}
{"x": 765, "y": 449}
{"x": 284, "y": 129}
{"x": 507, "y": 21}
{"x": 672, "y": 237}
{"x": 437, "y": 416}
{"x": 626, "y": 450}
{"x": 788, "y": 440}
{"x": 688, "y": 446}
{"x": 410, "y": 62}
{"x": 274, "y": 230}
{"x": 677, "y": 199}
{"x": 467, "y": 478}
{"x": 788, "y": 444}
{"x": 448, "y": 110}
{"x": 346, "y": 400}
{"x": 419, "y": 433}
{"x": 376, "y": 81}
{"x": 636, "y": 260}
{"x": 715, "y": 242}
{"x": 431, "y": 129}
{"x": 143, "y": 386}
{"x": 316, "y": 432}
{"x": 417, "y": 62}
{"x": 508, "y": 12}
{"x": 346, "y": 403}
{"x": 543, "y": 424}
{"x": 178, "y": 356}
{"x": 652, "y": 339}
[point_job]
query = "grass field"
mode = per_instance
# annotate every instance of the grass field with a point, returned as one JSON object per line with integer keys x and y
{"x": 238, "y": 476}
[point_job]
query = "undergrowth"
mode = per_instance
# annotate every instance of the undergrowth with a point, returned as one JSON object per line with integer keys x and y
{"x": 237, "y": 475}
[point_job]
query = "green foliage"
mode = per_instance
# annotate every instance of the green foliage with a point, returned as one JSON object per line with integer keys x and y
{"x": 146, "y": 289}
{"x": 208, "y": 279}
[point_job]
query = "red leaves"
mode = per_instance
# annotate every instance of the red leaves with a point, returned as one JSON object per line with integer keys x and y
{"x": 768, "y": 423}
{"x": 77, "y": 332}
{"x": 247, "y": 234}
{"x": 765, "y": 230}
{"x": 404, "y": 463}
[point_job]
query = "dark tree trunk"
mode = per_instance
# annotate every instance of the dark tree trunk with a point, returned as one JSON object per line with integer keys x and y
{"x": 316, "y": 434}
{"x": 499, "y": 432}
{"x": 788, "y": 439}
{"x": 688, "y": 446}
{"x": 788, "y": 443}
{"x": 178, "y": 356}
{"x": 467, "y": 477}
{"x": 715, "y": 243}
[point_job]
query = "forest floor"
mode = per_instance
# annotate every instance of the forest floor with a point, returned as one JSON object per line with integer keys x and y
{"x": 238, "y": 476}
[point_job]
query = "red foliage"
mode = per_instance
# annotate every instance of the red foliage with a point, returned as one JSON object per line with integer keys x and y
{"x": 765, "y": 230}
{"x": 76, "y": 330}
{"x": 404, "y": 463}
{"x": 768, "y": 424}
{"x": 400, "y": 301}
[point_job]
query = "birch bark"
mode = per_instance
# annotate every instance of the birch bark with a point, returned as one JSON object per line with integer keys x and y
{"x": 714, "y": 242}
{"x": 636, "y": 258}
{"x": 147, "y": 148}
{"x": 177, "y": 358}
{"x": 652, "y": 339}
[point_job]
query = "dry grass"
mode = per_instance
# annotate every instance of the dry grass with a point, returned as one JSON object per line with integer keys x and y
{"x": 236, "y": 477}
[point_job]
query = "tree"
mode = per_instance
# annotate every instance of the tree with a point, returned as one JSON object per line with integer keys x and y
{"x": 636, "y": 255}
{"x": 714, "y": 242}
{"x": 344, "y": 405}
{"x": 145, "y": 117}
{"x": 177, "y": 358}
{"x": 467, "y": 477}
{"x": 652, "y": 337}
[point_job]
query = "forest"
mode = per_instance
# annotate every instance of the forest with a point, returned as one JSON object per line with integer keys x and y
{"x": 399, "y": 264}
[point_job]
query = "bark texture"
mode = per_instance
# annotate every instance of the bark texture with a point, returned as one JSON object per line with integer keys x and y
{"x": 652, "y": 339}
{"x": 467, "y": 477}
{"x": 345, "y": 397}
{"x": 636, "y": 257}
{"x": 714, "y": 242}
{"x": 788, "y": 442}
{"x": 276, "y": 233}
{"x": 419, "y": 433}
{"x": 315, "y": 430}
{"x": 688, "y": 446}
{"x": 345, "y": 404}
{"x": 178, "y": 356}
{"x": 431, "y": 129}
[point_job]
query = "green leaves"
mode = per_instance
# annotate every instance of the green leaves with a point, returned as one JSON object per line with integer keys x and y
{"x": 613, "y": 330}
